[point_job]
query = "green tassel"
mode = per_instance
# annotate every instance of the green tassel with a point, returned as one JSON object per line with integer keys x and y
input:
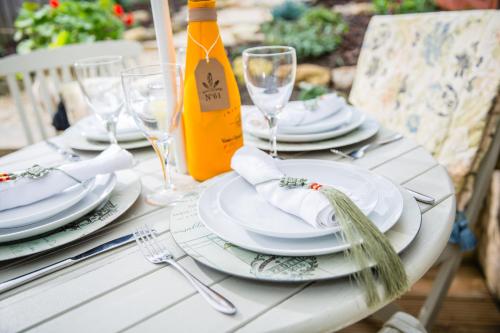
{"x": 374, "y": 245}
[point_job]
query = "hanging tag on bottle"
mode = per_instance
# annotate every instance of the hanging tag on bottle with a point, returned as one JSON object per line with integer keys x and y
{"x": 211, "y": 85}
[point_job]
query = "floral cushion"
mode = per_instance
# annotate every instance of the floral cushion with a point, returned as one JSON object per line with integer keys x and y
{"x": 434, "y": 77}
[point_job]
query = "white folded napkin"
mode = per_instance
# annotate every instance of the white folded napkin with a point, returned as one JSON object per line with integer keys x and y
{"x": 261, "y": 171}
{"x": 296, "y": 113}
{"x": 24, "y": 191}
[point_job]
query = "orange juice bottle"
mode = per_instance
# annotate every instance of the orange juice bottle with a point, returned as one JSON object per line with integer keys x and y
{"x": 212, "y": 118}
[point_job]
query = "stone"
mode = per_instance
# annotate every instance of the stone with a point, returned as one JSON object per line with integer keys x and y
{"x": 313, "y": 74}
{"x": 139, "y": 34}
{"x": 247, "y": 33}
{"x": 343, "y": 77}
{"x": 352, "y": 9}
{"x": 141, "y": 16}
{"x": 233, "y": 16}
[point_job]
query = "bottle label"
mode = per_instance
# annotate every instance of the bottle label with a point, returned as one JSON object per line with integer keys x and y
{"x": 211, "y": 85}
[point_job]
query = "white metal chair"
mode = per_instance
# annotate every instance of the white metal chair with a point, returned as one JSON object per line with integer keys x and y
{"x": 56, "y": 65}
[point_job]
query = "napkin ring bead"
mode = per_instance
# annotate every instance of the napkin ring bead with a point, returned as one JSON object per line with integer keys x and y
{"x": 315, "y": 186}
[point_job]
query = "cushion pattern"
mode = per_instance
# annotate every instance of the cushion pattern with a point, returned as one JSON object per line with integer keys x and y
{"x": 434, "y": 78}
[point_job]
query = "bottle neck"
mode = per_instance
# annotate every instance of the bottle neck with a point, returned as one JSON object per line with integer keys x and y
{"x": 202, "y": 15}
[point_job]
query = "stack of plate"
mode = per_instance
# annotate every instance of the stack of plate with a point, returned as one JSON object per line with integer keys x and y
{"x": 90, "y": 134}
{"x": 56, "y": 211}
{"x": 252, "y": 232}
{"x": 343, "y": 125}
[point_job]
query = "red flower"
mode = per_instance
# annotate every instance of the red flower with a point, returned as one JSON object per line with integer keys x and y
{"x": 128, "y": 19}
{"x": 54, "y": 3}
{"x": 118, "y": 9}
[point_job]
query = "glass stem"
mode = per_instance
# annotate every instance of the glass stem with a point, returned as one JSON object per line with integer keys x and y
{"x": 164, "y": 149}
{"x": 111, "y": 129}
{"x": 273, "y": 131}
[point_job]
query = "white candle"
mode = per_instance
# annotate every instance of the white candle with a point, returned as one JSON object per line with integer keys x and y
{"x": 166, "y": 49}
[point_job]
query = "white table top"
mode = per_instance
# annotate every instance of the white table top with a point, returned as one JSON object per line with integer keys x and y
{"x": 119, "y": 291}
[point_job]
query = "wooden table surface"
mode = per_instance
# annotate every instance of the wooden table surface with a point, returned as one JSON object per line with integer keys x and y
{"x": 120, "y": 291}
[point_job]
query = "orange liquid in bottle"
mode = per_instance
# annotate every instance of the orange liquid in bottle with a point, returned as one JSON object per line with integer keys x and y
{"x": 212, "y": 136}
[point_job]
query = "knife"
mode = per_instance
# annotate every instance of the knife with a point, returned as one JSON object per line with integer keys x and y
{"x": 421, "y": 197}
{"x": 17, "y": 281}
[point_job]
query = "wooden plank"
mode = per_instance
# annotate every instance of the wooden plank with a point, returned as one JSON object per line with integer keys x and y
{"x": 192, "y": 315}
{"x": 28, "y": 87}
{"x": 131, "y": 301}
{"x": 45, "y": 94}
{"x": 66, "y": 74}
{"x": 406, "y": 166}
{"x": 14, "y": 91}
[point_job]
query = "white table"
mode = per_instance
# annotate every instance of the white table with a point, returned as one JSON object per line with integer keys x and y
{"x": 120, "y": 291}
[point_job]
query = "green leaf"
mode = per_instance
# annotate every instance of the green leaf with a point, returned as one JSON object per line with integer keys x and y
{"x": 23, "y": 23}
{"x": 25, "y": 46}
{"x": 60, "y": 40}
{"x": 30, "y": 6}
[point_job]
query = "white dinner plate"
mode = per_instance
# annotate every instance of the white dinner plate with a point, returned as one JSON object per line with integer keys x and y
{"x": 37, "y": 211}
{"x": 239, "y": 201}
{"x": 350, "y": 119}
{"x": 74, "y": 139}
{"x": 368, "y": 129}
{"x": 126, "y": 129}
{"x": 384, "y": 216}
{"x": 99, "y": 191}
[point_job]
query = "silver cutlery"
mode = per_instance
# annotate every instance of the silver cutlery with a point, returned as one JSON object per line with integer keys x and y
{"x": 20, "y": 280}
{"x": 156, "y": 252}
{"x": 360, "y": 152}
{"x": 421, "y": 197}
{"x": 66, "y": 153}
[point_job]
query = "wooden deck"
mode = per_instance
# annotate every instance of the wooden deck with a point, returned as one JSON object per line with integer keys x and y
{"x": 468, "y": 308}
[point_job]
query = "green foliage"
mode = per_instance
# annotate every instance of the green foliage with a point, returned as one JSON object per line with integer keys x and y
{"x": 311, "y": 92}
{"x": 316, "y": 32}
{"x": 403, "y": 6}
{"x": 289, "y": 10}
{"x": 70, "y": 22}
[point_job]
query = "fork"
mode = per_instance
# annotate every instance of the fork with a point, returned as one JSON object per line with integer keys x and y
{"x": 156, "y": 252}
{"x": 358, "y": 153}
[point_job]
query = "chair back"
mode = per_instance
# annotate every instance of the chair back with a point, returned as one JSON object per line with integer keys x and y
{"x": 434, "y": 77}
{"x": 51, "y": 69}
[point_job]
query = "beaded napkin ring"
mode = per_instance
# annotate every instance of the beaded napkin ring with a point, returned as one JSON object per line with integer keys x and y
{"x": 34, "y": 172}
{"x": 374, "y": 245}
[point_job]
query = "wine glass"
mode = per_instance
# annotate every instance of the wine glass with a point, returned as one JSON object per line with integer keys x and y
{"x": 269, "y": 73}
{"x": 154, "y": 97}
{"x": 99, "y": 79}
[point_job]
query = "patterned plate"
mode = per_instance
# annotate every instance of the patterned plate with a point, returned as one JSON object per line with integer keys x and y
{"x": 205, "y": 247}
{"x": 125, "y": 193}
